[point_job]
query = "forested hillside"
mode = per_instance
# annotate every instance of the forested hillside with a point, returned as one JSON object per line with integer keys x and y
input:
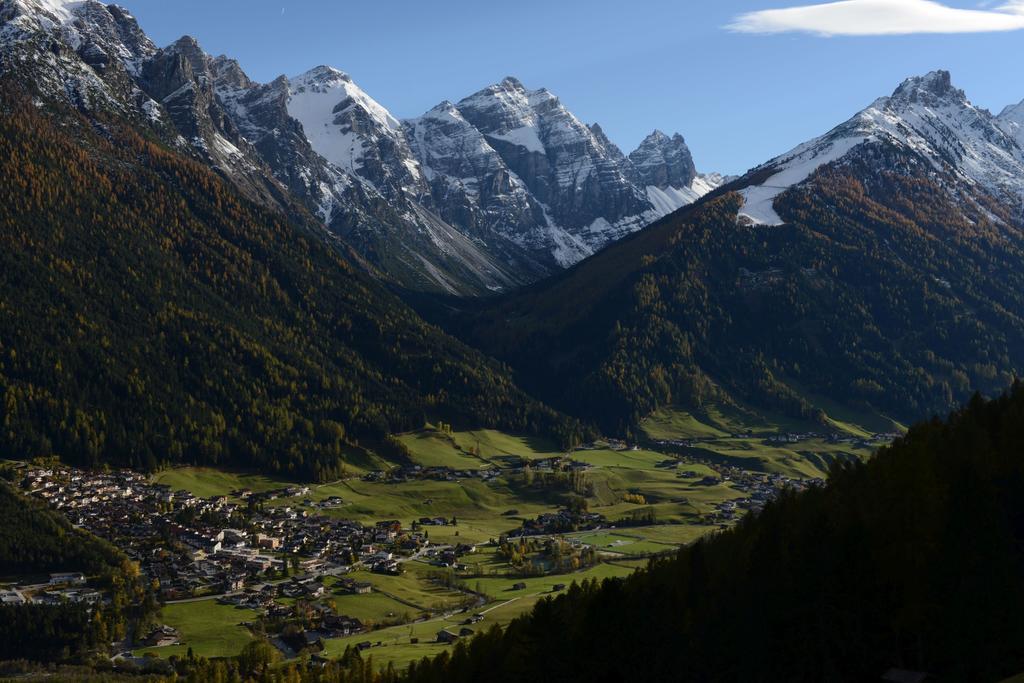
{"x": 881, "y": 292}
{"x": 37, "y": 540}
{"x": 150, "y": 315}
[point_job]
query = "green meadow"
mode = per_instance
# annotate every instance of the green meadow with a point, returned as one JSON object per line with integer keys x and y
{"x": 394, "y": 645}
{"x": 210, "y": 629}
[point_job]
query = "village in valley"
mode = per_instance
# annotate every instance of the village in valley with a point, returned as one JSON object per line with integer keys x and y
{"x": 312, "y": 569}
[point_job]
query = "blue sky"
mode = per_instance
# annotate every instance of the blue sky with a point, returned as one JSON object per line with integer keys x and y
{"x": 739, "y": 98}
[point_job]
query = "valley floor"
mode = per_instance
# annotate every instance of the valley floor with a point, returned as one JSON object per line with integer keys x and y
{"x": 471, "y": 532}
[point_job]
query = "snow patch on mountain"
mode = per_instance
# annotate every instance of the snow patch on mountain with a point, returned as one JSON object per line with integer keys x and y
{"x": 313, "y": 99}
{"x": 62, "y": 9}
{"x": 793, "y": 169}
{"x": 525, "y": 137}
{"x": 670, "y": 199}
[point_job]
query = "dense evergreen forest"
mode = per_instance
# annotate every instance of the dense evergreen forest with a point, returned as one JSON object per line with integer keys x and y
{"x": 911, "y": 561}
{"x": 36, "y": 539}
{"x": 879, "y": 293}
{"x": 150, "y": 315}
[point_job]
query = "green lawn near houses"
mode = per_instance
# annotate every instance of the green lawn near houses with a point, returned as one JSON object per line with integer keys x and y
{"x": 210, "y": 629}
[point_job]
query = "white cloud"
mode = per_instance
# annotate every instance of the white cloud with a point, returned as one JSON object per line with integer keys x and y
{"x": 881, "y": 17}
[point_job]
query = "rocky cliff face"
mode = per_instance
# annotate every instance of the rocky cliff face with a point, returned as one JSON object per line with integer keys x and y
{"x": 579, "y": 178}
{"x": 662, "y": 161}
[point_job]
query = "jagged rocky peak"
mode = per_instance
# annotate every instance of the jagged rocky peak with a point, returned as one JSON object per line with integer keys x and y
{"x": 663, "y": 161}
{"x": 587, "y": 188}
{"x": 321, "y": 78}
{"x": 609, "y": 147}
{"x": 443, "y": 140}
{"x": 102, "y": 35}
{"x": 228, "y": 73}
{"x": 116, "y": 31}
{"x": 503, "y": 111}
{"x": 190, "y": 50}
{"x": 130, "y": 32}
{"x": 931, "y": 89}
{"x": 178, "y": 76}
{"x": 446, "y": 110}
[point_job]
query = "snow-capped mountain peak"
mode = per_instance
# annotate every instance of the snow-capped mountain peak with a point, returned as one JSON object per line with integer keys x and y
{"x": 352, "y": 130}
{"x": 504, "y": 112}
{"x": 927, "y": 116}
{"x": 589, "y": 193}
{"x": 498, "y": 189}
{"x": 934, "y": 89}
{"x": 332, "y": 84}
{"x": 445, "y": 111}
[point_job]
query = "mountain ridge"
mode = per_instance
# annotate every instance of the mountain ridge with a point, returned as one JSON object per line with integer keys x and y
{"x": 349, "y": 162}
{"x": 887, "y": 281}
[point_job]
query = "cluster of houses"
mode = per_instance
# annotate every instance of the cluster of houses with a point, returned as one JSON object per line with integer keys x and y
{"x": 448, "y": 556}
{"x": 783, "y": 438}
{"x": 208, "y": 546}
{"x": 562, "y": 522}
{"x": 398, "y": 475}
{"x": 252, "y": 550}
{"x": 508, "y": 464}
{"x": 832, "y": 438}
{"x": 789, "y": 438}
{"x": 759, "y": 488}
{"x": 858, "y": 442}
{"x": 60, "y": 588}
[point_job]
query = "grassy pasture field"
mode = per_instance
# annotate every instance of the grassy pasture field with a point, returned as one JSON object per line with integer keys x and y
{"x": 395, "y": 642}
{"x": 373, "y": 608}
{"x": 624, "y": 542}
{"x": 736, "y": 436}
{"x": 414, "y": 589}
{"x": 207, "y": 482}
{"x": 432, "y": 448}
{"x": 210, "y": 629}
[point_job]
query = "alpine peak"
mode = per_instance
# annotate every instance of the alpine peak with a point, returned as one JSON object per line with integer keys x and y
{"x": 929, "y": 89}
